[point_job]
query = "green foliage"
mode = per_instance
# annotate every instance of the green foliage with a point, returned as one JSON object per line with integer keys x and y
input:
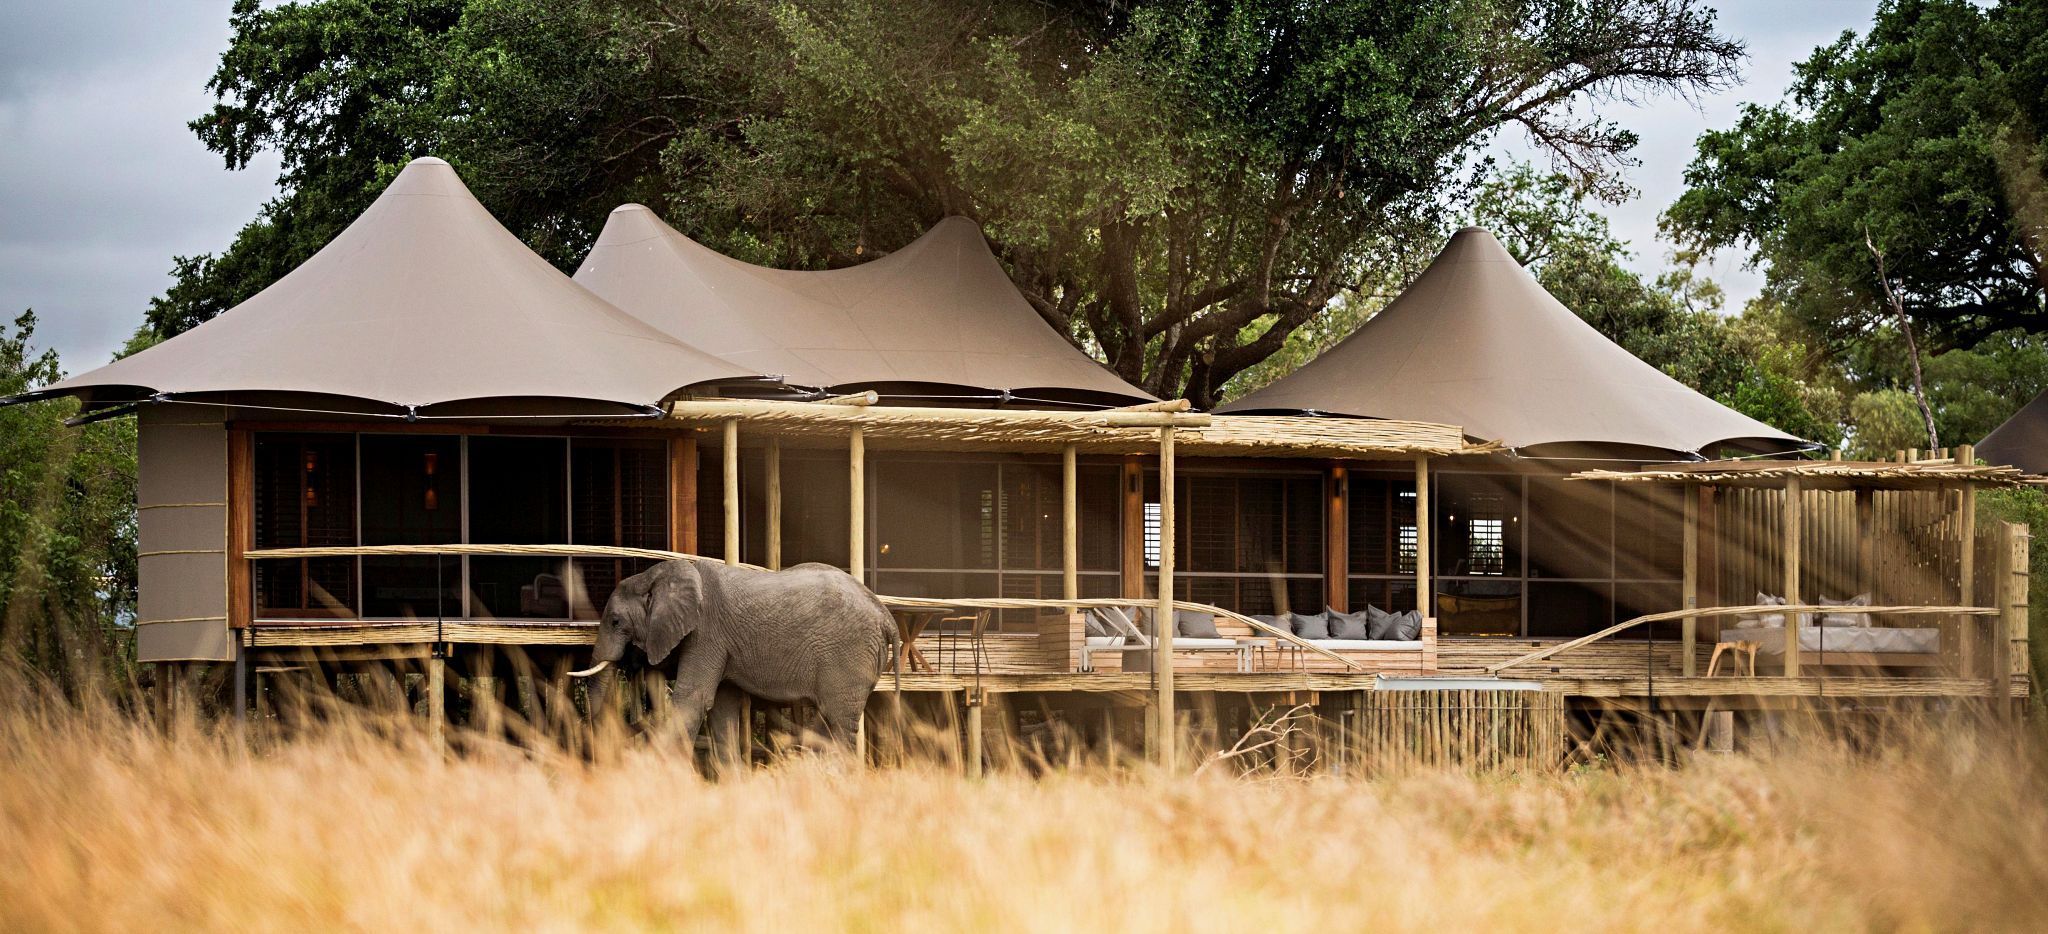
{"x": 1178, "y": 186}
{"x": 1924, "y": 135}
{"x": 67, "y": 529}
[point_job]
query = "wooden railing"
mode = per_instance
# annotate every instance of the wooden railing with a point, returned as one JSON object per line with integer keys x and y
{"x": 610, "y": 551}
{"x": 1790, "y": 613}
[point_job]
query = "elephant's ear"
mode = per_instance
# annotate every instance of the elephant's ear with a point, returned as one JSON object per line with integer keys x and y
{"x": 672, "y": 607}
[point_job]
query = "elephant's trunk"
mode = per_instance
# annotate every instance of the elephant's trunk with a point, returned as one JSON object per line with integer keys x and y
{"x": 594, "y": 669}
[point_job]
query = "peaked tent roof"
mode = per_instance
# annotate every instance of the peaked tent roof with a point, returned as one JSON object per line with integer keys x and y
{"x": 939, "y": 314}
{"x": 423, "y": 304}
{"x": 1475, "y": 341}
{"x": 2020, "y": 441}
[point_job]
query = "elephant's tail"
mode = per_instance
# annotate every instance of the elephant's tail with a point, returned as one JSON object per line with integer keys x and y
{"x": 894, "y": 640}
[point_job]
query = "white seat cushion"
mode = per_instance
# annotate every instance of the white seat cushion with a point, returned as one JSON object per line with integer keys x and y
{"x": 1105, "y": 642}
{"x": 1370, "y": 645}
{"x": 1190, "y": 643}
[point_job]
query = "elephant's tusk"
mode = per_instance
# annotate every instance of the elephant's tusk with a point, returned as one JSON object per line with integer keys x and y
{"x": 587, "y": 672}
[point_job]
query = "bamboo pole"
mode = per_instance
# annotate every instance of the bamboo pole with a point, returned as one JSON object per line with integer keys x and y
{"x": 974, "y": 738}
{"x": 1966, "y": 561}
{"x": 1689, "y": 588}
{"x": 857, "y": 505}
{"x": 1423, "y": 554}
{"x": 732, "y": 491}
{"x": 437, "y": 709}
{"x": 1794, "y": 511}
{"x": 1866, "y": 543}
{"x": 1070, "y": 531}
{"x": 775, "y": 504}
{"x": 1162, "y": 619}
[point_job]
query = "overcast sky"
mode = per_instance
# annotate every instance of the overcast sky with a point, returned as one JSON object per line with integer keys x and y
{"x": 101, "y": 184}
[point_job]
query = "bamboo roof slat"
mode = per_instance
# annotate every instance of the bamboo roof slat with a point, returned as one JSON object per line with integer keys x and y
{"x": 1823, "y": 475}
{"x": 1129, "y": 430}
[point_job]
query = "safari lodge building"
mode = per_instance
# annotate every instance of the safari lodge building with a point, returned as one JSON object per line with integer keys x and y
{"x": 426, "y": 443}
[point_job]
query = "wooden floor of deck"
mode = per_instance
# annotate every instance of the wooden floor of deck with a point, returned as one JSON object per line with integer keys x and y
{"x": 1607, "y": 670}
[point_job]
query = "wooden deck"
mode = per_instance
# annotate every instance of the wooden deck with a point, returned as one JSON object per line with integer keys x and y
{"x": 1615, "y": 669}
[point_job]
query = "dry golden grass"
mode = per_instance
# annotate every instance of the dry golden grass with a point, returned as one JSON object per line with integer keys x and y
{"x": 108, "y": 825}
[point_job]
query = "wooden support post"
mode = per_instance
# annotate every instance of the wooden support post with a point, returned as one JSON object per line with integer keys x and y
{"x": 1792, "y": 519}
{"x": 857, "y": 506}
{"x": 1689, "y": 586}
{"x": 1866, "y": 544}
{"x": 1424, "y": 599}
{"x": 484, "y": 706}
{"x": 1109, "y": 734}
{"x": 1974, "y": 640}
{"x": 682, "y": 495}
{"x": 774, "y": 560}
{"x": 1133, "y": 552}
{"x": 241, "y": 530}
{"x": 241, "y": 689}
{"x": 1162, "y": 622}
{"x": 1070, "y": 525}
{"x": 1337, "y": 541}
{"x": 974, "y": 743}
{"x": 437, "y": 688}
{"x": 732, "y": 491}
{"x": 2011, "y": 627}
{"x": 1720, "y": 731}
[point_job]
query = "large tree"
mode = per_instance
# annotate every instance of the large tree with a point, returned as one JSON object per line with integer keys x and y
{"x": 1177, "y": 186}
{"x": 1907, "y": 163}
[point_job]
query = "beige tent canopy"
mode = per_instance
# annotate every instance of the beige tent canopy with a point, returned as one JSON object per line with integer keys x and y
{"x": 1475, "y": 341}
{"x": 937, "y": 318}
{"x": 424, "y": 307}
{"x": 2022, "y": 440}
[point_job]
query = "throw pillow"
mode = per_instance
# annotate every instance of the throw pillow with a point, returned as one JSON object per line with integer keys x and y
{"x": 1310, "y": 625}
{"x": 1380, "y": 623}
{"x": 1195, "y": 624}
{"x": 1409, "y": 626}
{"x": 1351, "y": 625}
{"x": 1096, "y": 626}
{"x": 1861, "y": 620}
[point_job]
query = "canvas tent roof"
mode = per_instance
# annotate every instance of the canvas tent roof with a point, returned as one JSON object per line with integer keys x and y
{"x": 1477, "y": 342}
{"x": 938, "y": 316}
{"x": 2022, "y": 440}
{"x": 423, "y": 306}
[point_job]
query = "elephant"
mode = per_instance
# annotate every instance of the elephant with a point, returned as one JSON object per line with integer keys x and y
{"x": 811, "y": 632}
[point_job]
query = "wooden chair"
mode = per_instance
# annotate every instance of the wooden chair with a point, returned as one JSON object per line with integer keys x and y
{"x": 1742, "y": 653}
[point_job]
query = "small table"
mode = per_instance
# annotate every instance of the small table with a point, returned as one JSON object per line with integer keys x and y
{"x": 911, "y": 622}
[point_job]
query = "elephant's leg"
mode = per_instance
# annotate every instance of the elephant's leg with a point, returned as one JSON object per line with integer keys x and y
{"x": 697, "y": 677}
{"x": 841, "y": 711}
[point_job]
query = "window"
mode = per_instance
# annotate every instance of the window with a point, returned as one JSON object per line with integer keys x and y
{"x": 1253, "y": 544}
{"x": 958, "y": 527}
{"x": 412, "y": 495}
{"x": 618, "y": 495}
{"x": 305, "y": 487}
{"x": 422, "y": 489}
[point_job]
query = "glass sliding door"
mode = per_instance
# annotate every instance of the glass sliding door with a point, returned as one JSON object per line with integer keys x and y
{"x": 518, "y": 495}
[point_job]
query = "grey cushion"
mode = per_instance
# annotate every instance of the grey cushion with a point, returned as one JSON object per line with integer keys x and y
{"x": 1310, "y": 625}
{"x": 1195, "y": 624}
{"x": 1380, "y": 623}
{"x": 1350, "y": 625}
{"x": 1097, "y": 626}
{"x": 1408, "y": 626}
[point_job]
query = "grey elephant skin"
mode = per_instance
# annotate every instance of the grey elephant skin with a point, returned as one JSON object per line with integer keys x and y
{"x": 810, "y": 632}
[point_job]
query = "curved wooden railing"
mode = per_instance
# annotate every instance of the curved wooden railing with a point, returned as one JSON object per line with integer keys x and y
{"x": 1753, "y": 610}
{"x": 655, "y": 554}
